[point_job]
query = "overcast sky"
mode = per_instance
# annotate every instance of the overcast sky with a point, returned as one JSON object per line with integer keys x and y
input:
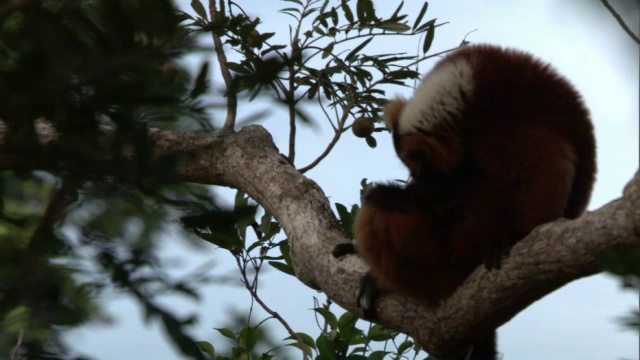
{"x": 582, "y": 42}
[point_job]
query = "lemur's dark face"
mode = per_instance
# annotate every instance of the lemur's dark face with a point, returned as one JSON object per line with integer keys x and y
{"x": 427, "y": 132}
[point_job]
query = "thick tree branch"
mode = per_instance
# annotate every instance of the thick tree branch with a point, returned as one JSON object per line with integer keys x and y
{"x": 550, "y": 257}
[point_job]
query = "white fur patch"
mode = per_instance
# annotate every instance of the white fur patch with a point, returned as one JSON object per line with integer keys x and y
{"x": 439, "y": 97}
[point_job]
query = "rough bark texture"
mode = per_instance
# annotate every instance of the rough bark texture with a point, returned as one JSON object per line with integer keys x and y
{"x": 551, "y": 256}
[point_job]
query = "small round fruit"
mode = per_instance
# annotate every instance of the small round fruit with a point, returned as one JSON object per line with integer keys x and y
{"x": 362, "y": 127}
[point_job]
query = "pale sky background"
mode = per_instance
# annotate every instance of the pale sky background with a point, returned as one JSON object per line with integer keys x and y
{"x": 579, "y": 321}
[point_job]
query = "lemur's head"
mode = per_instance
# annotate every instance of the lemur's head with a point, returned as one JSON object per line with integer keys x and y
{"x": 427, "y": 129}
{"x": 476, "y": 92}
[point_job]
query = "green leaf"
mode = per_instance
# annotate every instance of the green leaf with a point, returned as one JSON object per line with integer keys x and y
{"x": 183, "y": 16}
{"x": 324, "y": 6}
{"x": 348, "y": 14}
{"x": 365, "y": 11}
{"x": 343, "y": 213}
{"x": 393, "y": 26}
{"x": 309, "y": 12}
{"x": 352, "y": 336}
{"x": 268, "y": 228}
{"x": 347, "y": 321}
{"x": 328, "y": 50}
{"x": 423, "y": 11}
{"x": 395, "y": 82}
{"x": 392, "y": 59}
{"x": 371, "y": 141}
{"x": 248, "y": 338}
{"x": 362, "y": 75}
{"x": 285, "y": 268}
{"x": 362, "y": 16}
{"x": 313, "y": 90}
{"x": 379, "y": 355}
{"x": 238, "y": 68}
{"x": 272, "y": 48}
{"x": 334, "y": 16}
{"x": 254, "y": 245}
{"x": 287, "y": 10}
{"x": 380, "y": 333}
{"x": 201, "y": 84}
{"x": 395, "y": 13}
{"x": 207, "y": 348}
{"x": 306, "y": 339}
{"x": 197, "y": 6}
{"x": 403, "y": 74}
{"x": 365, "y": 185}
{"x": 356, "y": 355}
{"x": 228, "y": 241}
{"x": 241, "y": 200}
{"x": 285, "y": 250}
{"x": 239, "y": 353}
{"x": 431, "y": 33}
{"x": 405, "y": 346}
{"x": 256, "y": 92}
{"x": 346, "y": 219}
{"x": 226, "y": 332}
{"x": 328, "y": 316}
{"x": 326, "y": 347}
{"x": 290, "y": 14}
{"x": 350, "y": 56}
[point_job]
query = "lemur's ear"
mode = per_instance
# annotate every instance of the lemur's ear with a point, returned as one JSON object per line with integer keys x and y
{"x": 392, "y": 112}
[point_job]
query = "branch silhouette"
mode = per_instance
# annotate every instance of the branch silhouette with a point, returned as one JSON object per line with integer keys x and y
{"x": 553, "y": 255}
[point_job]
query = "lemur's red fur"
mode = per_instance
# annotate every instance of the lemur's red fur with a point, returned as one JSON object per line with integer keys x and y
{"x": 496, "y": 144}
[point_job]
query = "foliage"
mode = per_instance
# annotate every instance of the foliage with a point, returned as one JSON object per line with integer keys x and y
{"x": 323, "y": 62}
{"x": 626, "y": 265}
{"x": 68, "y": 236}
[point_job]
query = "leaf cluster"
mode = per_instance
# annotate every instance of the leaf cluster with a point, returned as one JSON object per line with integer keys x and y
{"x": 342, "y": 337}
{"x": 324, "y": 59}
{"x": 81, "y": 64}
{"x": 67, "y": 237}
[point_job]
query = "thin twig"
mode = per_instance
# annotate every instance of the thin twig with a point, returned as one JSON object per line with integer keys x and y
{"x": 265, "y": 307}
{"x": 292, "y": 118}
{"x": 14, "y": 352}
{"x": 290, "y": 94}
{"x": 338, "y": 132}
{"x": 232, "y": 98}
{"x": 620, "y": 21}
{"x": 326, "y": 114}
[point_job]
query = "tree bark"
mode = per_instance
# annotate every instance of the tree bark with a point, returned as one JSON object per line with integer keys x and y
{"x": 551, "y": 256}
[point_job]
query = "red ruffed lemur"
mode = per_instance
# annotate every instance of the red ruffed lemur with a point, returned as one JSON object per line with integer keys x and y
{"x": 496, "y": 143}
